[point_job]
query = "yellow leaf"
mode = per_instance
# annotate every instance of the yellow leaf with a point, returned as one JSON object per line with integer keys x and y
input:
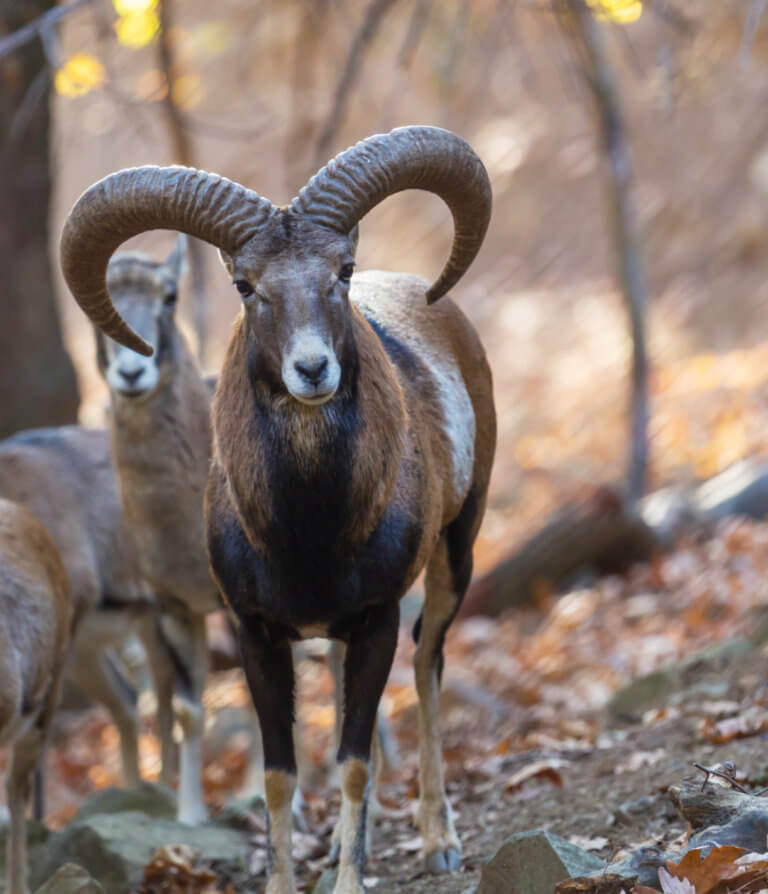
{"x": 79, "y": 75}
{"x": 187, "y": 91}
{"x": 137, "y": 29}
{"x": 623, "y": 12}
{"x": 211, "y": 39}
{"x": 133, "y": 7}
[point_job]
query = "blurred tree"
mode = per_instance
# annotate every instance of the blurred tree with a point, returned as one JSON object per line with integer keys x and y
{"x": 38, "y": 384}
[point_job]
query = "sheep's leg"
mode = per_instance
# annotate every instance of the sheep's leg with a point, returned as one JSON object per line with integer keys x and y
{"x": 183, "y": 632}
{"x": 102, "y": 680}
{"x": 447, "y": 578}
{"x": 382, "y": 747}
{"x": 26, "y": 757}
{"x": 268, "y": 665}
{"x": 162, "y": 669}
{"x": 254, "y": 783}
{"x": 26, "y": 760}
{"x": 370, "y": 651}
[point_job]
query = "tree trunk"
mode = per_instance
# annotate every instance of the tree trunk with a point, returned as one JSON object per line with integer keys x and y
{"x": 37, "y": 384}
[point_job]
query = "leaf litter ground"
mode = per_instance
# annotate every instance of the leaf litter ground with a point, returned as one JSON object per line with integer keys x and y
{"x": 528, "y": 738}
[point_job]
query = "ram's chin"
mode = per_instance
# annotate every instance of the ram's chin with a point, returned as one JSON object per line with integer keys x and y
{"x": 313, "y": 400}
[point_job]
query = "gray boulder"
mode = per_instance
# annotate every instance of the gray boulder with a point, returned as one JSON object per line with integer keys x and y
{"x": 533, "y": 863}
{"x": 115, "y": 848}
{"x": 70, "y": 879}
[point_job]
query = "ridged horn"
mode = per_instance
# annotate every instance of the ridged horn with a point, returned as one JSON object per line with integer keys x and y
{"x": 133, "y": 200}
{"x": 428, "y": 158}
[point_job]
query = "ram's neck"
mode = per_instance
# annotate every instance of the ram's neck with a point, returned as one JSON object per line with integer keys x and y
{"x": 162, "y": 445}
{"x": 326, "y": 472}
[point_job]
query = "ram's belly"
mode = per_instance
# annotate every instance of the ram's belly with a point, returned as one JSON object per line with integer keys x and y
{"x": 307, "y": 591}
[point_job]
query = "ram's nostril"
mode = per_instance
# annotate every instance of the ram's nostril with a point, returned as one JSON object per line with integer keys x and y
{"x": 131, "y": 376}
{"x": 311, "y": 368}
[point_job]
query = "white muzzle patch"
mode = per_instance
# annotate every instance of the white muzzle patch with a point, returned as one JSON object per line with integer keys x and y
{"x": 310, "y": 370}
{"x": 130, "y": 374}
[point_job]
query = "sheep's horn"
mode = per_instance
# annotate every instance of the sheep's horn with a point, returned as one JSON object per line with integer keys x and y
{"x": 429, "y": 158}
{"x": 131, "y": 201}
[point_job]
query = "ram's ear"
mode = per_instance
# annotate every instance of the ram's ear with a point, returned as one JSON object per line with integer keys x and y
{"x": 177, "y": 260}
{"x": 226, "y": 260}
{"x": 354, "y": 236}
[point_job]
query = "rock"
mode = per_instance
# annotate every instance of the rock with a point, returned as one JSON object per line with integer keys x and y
{"x": 634, "y": 699}
{"x": 533, "y": 863}
{"x": 644, "y": 863}
{"x": 149, "y": 798}
{"x": 70, "y": 879}
{"x": 660, "y": 687}
{"x": 748, "y": 829}
{"x": 238, "y": 813}
{"x": 115, "y": 848}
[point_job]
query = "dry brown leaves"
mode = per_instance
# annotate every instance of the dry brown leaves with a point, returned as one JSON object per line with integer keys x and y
{"x": 174, "y": 869}
{"x": 724, "y": 870}
{"x": 750, "y": 722}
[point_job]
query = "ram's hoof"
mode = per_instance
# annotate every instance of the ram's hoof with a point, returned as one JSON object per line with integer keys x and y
{"x": 443, "y": 861}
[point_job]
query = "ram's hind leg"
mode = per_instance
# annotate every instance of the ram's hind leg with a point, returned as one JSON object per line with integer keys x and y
{"x": 96, "y": 671}
{"x": 163, "y": 671}
{"x": 448, "y": 573}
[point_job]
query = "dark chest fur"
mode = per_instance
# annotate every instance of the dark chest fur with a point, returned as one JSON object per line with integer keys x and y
{"x": 309, "y": 565}
{"x": 310, "y": 575}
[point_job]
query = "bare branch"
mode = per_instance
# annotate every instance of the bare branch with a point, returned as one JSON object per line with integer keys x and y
{"x": 404, "y": 59}
{"x": 376, "y": 11}
{"x": 667, "y": 13}
{"x": 34, "y": 29}
{"x": 579, "y": 23}
{"x": 183, "y": 154}
{"x": 303, "y": 92}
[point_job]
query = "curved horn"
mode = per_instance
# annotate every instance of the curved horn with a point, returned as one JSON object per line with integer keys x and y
{"x": 429, "y": 158}
{"x": 133, "y": 200}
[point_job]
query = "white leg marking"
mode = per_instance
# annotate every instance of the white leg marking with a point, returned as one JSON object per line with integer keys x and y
{"x": 280, "y": 787}
{"x": 354, "y": 784}
{"x": 192, "y": 809}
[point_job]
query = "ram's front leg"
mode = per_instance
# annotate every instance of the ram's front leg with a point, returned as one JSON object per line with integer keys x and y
{"x": 181, "y": 635}
{"x": 268, "y": 665}
{"x": 370, "y": 651}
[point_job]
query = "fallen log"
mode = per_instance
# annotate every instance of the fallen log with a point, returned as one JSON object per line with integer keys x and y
{"x": 598, "y": 535}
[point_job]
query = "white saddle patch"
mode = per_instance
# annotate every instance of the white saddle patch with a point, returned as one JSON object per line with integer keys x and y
{"x": 459, "y": 422}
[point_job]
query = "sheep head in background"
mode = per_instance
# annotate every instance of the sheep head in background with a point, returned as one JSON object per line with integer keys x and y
{"x": 145, "y": 293}
{"x": 354, "y": 434}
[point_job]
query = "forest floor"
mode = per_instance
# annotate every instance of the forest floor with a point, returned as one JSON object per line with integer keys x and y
{"x": 530, "y": 737}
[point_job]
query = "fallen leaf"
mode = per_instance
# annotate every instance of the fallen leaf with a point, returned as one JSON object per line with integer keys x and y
{"x": 588, "y": 844}
{"x": 751, "y": 723}
{"x": 670, "y": 884}
{"x": 639, "y": 759}
{"x": 547, "y": 769}
{"x": 599, "y": 884}
{"x": 173, "y": 869}
{"x": 704, "y": 874}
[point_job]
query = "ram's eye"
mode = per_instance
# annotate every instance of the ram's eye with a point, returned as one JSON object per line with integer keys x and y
{"x": 244, "y": 287}
{"x": 345, "y": 274}
{"x": 170, "y": 299}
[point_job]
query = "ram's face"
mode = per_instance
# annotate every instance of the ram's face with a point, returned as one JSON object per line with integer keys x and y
{"x": 295, "y": 293}
{"x": 144, "y": 293}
